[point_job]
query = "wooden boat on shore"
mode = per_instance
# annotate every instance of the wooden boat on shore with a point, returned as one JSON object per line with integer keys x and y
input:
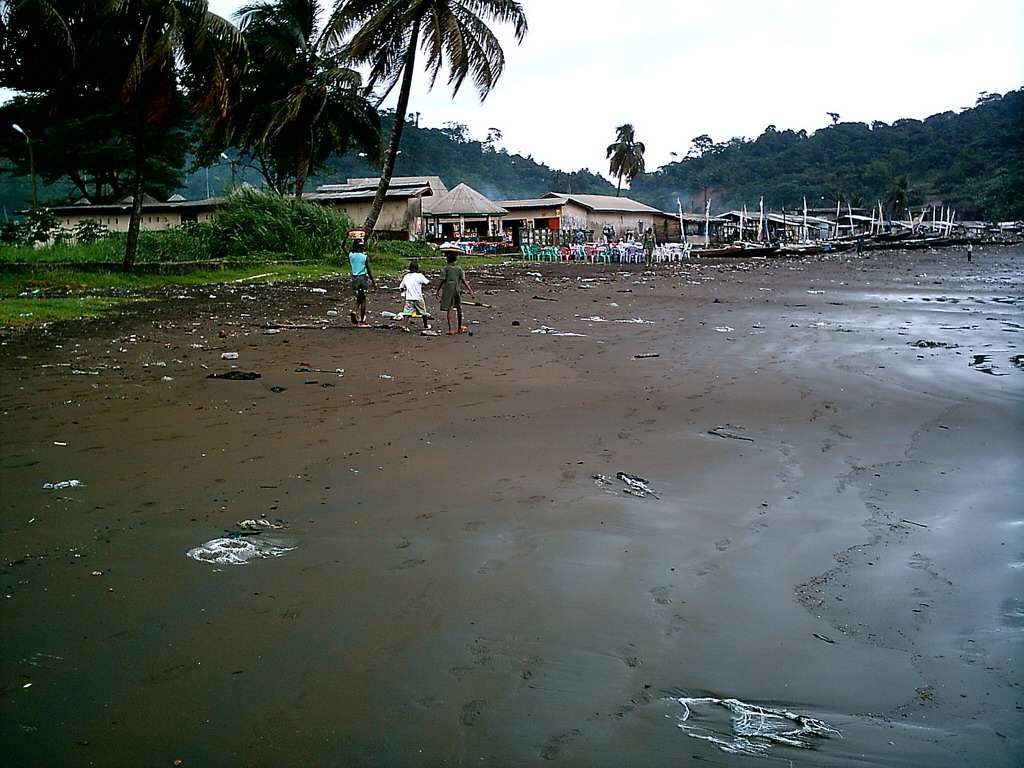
{"x": 720, "y": 250}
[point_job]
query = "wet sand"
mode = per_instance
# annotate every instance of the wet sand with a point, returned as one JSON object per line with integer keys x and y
{"x": 835, "y": 531}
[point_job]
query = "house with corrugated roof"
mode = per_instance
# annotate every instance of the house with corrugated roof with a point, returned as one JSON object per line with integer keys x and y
{"x": 592, "y": 214}
{"x": 156, "y": 214}
{"x": 463, "y": 212}
{"x": 401, "y": 216}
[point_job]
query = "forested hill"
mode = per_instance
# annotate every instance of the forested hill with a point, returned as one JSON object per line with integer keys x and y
{"x": 450, "y": 153}
{"x": 972, "y": 161}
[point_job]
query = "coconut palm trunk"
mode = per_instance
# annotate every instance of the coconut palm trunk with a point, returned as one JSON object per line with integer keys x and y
{"x": 387, "y": 172}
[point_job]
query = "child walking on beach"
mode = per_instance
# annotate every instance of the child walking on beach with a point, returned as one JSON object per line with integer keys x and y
{"x": 452, "y": 278}
{"x": 412, "y": 290}
{"x": 360, "y": 264}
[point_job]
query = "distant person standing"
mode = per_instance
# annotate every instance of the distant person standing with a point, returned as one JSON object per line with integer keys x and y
{"x": 609, "y": 234}
{"x": 649, "y": 242}
{"x": 362, "y": 278}
{"x": 452, "y": 278}
{"x": 970, "y": 251}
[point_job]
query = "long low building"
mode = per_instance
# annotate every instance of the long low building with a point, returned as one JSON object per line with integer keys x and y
{"x": 417, "y": 207}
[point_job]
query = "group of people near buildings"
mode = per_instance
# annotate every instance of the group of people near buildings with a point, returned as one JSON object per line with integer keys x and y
{"x": 448, "y": 290}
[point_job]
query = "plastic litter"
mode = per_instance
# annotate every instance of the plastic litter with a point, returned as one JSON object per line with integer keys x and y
{"x": 63, "y": 484}
{"x": 723, "y": 431}
{"x": 750, "y": 729}
{"x": 548, "y": 330}
{"x": 237, "y": 551}
{"x": 635, "y": 486}
{"x": 236, "y": 375}
{"x": 229, "y": 356}
{"x": 261, "y": 524}
{"x": 724, "y": 329}
{"x": 646, "y": 354}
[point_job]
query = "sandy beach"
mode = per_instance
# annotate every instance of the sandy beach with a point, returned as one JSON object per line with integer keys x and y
{"x": 813, "y": 555}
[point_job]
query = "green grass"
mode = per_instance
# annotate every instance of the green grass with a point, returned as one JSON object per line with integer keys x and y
{"x": 31, "y": 313}
{"x": 44, "y": 294}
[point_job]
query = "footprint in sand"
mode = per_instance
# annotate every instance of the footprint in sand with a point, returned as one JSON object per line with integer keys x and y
{"x": 660, "y": 595}
{"x": 553, "y": 748}
{"x": 723, "y": 544}
{"x": 471, "y": 711}
{"x": 405, "y": 564}
{"x": 676, "y": 625}
{"x": 628, "y": 655}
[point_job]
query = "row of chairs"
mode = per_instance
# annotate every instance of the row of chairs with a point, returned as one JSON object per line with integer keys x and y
{"x": 620, "y": 253}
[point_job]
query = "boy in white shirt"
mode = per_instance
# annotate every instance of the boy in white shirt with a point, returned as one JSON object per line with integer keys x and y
{"x": 412, "y": 290}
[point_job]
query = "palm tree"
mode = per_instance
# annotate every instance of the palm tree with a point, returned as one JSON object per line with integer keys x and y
{"x": 299, "y": 102}
{"x": 626, "y": 156}
{"x": 897, "y": 198}
{"x": 386, "y": 34}
{"x": 171, "y": 42}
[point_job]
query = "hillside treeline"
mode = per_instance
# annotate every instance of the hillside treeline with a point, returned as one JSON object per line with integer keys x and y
{"x": 972, "y": 161}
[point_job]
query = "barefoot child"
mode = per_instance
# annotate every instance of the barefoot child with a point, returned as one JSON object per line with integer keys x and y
{"x": 452, "y": 277}
{"x": 360, "y": 263}
{"x": 412, "y": 291}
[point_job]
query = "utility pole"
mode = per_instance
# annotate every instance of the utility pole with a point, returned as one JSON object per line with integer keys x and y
{"x": 31, "y": 160}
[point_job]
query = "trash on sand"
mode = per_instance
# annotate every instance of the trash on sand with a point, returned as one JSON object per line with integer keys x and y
{"x": 825, "y": 638}
{"x": 237, "y": 551}
{"x": 635, "y": 486}
{"x": 385, "y": 376}
{"x": 306, "y": 369}
{"x": 386, "y": 313}
{"x": 723, "y": 431}
{"x": 429, "y": 332}
{"x": 724, "y": 329}
{"x": 646, "y": 354}
{"x": 926, "y": 344}
{"x": 277, "y": 390}
{"x": 228, "y": 355}
{"x": 63, "y": 484}
{"x": 271, "y": 331}
{"x": 318, "y": 290}
{"x": 85, "y": 373}
{"x": 260, "y": 524}
{"x": 594, "y": 319}
{"x": 553, "y": 332}
{"x": 167, "y": 378}
{"x": 544, "y": 298}
{"x": 636, "y": 320}
{"x": 750, "y": 729}
{"x": 235, "y": 375}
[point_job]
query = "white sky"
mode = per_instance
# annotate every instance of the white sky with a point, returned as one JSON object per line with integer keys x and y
{"x": 677, "y": 69}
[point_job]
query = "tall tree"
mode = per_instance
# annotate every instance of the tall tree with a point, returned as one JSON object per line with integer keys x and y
{"x": 170, "y": 43}
{"x": 300, "y": 103}
{"x": 453, "y": 34}
{"x": 626, "y": 156}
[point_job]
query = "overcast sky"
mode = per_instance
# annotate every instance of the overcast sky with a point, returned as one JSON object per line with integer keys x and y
{"x": 677, "y": 69}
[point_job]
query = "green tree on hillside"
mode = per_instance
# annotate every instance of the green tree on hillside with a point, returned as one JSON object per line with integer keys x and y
{"x": 626, "y": 156}
{"x": 386, "y": 34}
